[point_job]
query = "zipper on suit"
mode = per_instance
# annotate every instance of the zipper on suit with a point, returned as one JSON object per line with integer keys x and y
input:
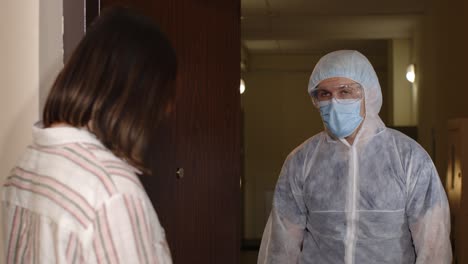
{"x": 350, "y": 242}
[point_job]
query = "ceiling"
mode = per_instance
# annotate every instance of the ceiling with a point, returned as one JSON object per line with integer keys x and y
{"x": 320, "y": 26}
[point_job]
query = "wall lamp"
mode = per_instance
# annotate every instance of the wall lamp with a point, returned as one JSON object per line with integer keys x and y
{"x": 242, "y": 86}
{"x": 410, "y": 73}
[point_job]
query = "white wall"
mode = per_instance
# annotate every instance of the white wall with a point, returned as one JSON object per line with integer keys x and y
{"x": 50, "y": 46}
{"x": 19, "y": 77}
{"x": 30, "y": 56}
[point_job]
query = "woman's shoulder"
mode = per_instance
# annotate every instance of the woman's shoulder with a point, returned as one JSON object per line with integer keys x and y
{"x": 124, "y": 176}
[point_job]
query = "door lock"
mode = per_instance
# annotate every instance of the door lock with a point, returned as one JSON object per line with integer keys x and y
{"x": 180, "y": 173}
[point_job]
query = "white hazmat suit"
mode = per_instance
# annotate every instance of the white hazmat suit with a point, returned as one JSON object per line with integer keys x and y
{"x": 379, "y": 200}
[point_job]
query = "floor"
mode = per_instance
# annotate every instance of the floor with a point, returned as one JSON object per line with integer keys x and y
{"x": 248, "y": 257}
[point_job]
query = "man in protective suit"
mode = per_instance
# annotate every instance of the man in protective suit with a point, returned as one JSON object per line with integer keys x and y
{"x": 358, "y": 192}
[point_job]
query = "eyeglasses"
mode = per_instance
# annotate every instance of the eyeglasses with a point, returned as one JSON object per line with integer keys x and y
{"x": 343, "y": 93}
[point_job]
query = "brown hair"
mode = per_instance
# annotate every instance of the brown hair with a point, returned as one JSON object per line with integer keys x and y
{"x": 117, "y": 83}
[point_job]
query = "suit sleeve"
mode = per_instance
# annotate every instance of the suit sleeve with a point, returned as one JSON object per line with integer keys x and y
{"x": 284, "y": 232}
{"x": 428, "y": 213}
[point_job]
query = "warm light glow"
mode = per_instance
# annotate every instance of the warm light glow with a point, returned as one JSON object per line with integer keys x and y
{"x": 410, "y": 74}
{"x": 242, "y": 86}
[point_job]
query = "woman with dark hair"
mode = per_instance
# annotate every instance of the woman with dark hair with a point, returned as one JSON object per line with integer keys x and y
{"x": 74, "y": 196}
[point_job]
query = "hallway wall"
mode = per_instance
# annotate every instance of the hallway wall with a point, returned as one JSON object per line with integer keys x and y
{"x": 441, "y": 58}
{"x": 402, "y": 111}
{"x": 278, "y": 116}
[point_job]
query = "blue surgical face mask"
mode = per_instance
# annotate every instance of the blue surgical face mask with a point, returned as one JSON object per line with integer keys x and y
{"x": 342, "y": 118}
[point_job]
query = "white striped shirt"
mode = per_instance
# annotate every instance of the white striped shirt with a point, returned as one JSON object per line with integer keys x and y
{"x": 70, "y": 200}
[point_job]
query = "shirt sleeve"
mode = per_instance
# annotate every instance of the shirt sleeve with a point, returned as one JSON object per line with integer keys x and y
{"x": 284, "y": 232}
{"x": 428, "y": 213}
{"x": 124, "y": 232}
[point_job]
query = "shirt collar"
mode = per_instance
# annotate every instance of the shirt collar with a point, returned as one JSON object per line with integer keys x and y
{"x": 62, "y": 135}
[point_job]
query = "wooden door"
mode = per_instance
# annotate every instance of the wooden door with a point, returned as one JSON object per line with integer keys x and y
{"x": 201, "y": 210}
